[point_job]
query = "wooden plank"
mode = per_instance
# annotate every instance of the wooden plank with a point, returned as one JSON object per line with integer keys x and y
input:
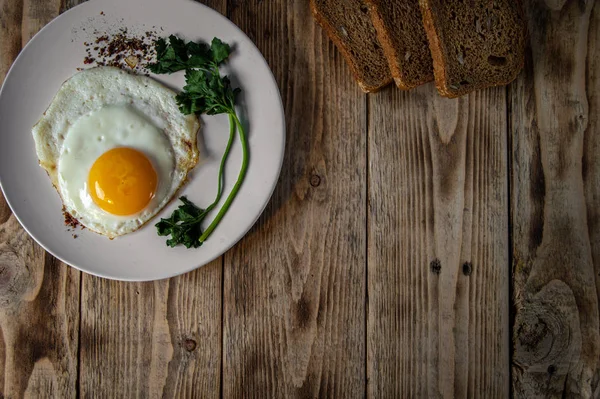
{"x": 556, "y": 181}
{"x": 438, "y": 264}
{"x": 11, "y": 14}
{"x": 39, "y": 296}
{"x": 66, "y": 4}
{"x": 591, "y": 156}
{"x": 294, "y": 296}
{"x": 157, "y": 339}
{"x": 39, "y": 300}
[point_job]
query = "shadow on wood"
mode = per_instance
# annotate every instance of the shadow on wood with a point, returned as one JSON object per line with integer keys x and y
{"x": 438, "y": 264}
{"x": 556, "y": 331}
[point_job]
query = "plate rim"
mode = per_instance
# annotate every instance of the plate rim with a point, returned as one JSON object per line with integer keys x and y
{"x": 242, "y": 232}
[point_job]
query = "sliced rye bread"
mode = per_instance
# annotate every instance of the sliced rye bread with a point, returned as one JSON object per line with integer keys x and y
{"x": 349, "y": 26}
{"x": 400, "y": 31}
{"x": 474, "y": 44}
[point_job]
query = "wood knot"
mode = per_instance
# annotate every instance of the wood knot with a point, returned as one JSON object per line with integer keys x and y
{"x": 189, "y": 345}
{"x": 547, "y": 329}
{"x": 533, "y": 332}
{"x": 436, "y": 266}
{"x": 6, "y": 271}
{"x": 315, "y": 180}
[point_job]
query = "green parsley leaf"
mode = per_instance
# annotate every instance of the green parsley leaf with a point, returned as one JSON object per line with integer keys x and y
{"x": 205, "y": 92}
{"x": 220, "y": 51}
{"x": 184, "y": 226}
{"x": 179, "y": 55}
{"x": 172, "y": 57}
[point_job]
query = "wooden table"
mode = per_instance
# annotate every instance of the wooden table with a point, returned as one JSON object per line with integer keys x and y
{"x": 415, "y": 246}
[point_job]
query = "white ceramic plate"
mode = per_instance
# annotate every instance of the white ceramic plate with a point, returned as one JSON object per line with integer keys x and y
{"x": 53, "y": 55}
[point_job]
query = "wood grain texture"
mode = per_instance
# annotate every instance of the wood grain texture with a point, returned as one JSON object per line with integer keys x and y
{"x": 156, "y": 339}
{"x": 39, "y": 297}
{"x": 438, "y": 264}
{"x": 66, "y": 4}
{"x": 39, "y": 312}
{"x": 555, "y": 204}
{"x": 591, "y": 157}
{"x": 401, "y": 196}
{"x": 294, "y": 297}
{"x": 11, "y": 15}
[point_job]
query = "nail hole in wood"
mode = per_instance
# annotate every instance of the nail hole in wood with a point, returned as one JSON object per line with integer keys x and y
{"x": 551, "y": 369}
{"x": 467, "y": 268}
{"x": 436, "y": 266}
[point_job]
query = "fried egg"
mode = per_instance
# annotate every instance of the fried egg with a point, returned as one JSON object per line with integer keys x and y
{"x": 116, "y": 148}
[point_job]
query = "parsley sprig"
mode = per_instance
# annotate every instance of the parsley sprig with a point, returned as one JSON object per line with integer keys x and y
{"x": 205, "y": 92}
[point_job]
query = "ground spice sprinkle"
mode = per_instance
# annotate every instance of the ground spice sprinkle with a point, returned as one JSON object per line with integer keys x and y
{"x": 122, "y": 49}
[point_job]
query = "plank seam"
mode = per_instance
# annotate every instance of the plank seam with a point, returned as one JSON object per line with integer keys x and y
{"x": 367, "y": 197}
{"x": 77, "y": 380}
{"x": 509, "y": 175}
{"x": 222, "y": 326}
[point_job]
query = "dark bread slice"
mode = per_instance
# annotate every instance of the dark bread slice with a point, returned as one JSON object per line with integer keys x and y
{"x": 474, "y": 43}
{"x": 349, "y": 26}
{"x": 400, "y": 31}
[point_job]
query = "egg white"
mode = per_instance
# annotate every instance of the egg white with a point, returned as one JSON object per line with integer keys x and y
{"x": 103, "y": 108}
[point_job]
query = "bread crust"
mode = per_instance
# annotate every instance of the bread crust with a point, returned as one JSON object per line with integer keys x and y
{"x": 434, "y": 47}
{"x": 341, "y": 46}
{"x": 439, "y": 65}
{"x": 390, "y": 50}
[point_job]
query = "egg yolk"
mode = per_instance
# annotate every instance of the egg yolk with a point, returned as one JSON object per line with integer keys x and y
{"x": 122, "y": 181}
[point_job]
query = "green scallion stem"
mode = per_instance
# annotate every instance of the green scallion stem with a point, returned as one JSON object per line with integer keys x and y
{"x": 234, "y": 122}
{"x": 222, "y": 166}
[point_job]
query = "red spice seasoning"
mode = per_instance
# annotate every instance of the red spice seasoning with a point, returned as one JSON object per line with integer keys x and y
{"x": 70, "y": 221}
{"x": 122, "y": 49}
